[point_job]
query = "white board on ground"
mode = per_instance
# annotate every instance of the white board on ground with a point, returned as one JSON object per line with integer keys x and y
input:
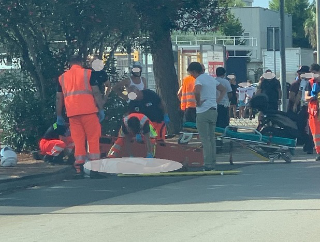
{"x": 132, "y": 165}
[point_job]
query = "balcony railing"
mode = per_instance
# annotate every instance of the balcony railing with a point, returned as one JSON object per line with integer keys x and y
{"x": 222, "y": 40}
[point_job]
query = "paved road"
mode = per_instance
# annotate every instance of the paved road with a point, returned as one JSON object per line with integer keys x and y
{"x": 266, "y": 202}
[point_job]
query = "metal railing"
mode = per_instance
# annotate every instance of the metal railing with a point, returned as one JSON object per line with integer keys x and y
{"x": 222, "y": 40}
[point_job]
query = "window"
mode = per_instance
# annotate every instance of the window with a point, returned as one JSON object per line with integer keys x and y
{"x": 273, "y": 33}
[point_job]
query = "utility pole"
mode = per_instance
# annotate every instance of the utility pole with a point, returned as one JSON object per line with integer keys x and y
{"x": 274, "y": 51}
{"x": 318, "y": 29}
{"x": 283, "y": 56}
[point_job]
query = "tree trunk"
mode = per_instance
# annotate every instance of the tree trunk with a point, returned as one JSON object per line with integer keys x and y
{"x": 166, "y": 77}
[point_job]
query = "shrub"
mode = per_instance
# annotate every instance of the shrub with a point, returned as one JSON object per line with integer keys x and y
{"x": 22, "y": 117}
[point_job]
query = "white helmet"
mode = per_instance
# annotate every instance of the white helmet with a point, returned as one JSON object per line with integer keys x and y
{"x": 8, "y": 157}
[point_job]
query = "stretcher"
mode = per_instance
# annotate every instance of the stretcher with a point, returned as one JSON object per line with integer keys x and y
{"x": 189, "y": 135}
{"x": 266, "y": 147}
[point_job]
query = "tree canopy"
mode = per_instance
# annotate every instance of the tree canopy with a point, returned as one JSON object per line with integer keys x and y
{"x": 45, "y": 33}
{"x": 299, "y": 11}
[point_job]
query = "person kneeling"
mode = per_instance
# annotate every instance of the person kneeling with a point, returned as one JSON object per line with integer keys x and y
{"x": 56, "y": 143}
{"x": 134, "y": 125}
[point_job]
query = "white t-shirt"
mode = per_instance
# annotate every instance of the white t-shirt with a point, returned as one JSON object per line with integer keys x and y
{"x": 242, "y": 93}
{"x": 302, "y": 88}
{"x": 225, "y": 100}
{"x": 250, "y": 91}
{"x": 208, "y": 92}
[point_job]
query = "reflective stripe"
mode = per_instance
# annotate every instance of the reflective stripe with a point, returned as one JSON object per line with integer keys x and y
{"x": 56, "y": 150}
{"x": 112, "y": 154}
{"x": 316, "y": 136}
{"x": 317, "y": 143}
{"x": 143, "y": 120}
{"x": 86, "y": 84}
{"x": 188, "y": 93}
{"x": 188, "y": 100}
{"x": 115, "y": 146}
{"x": 77, "y": 93}
{"x": 153, "y": 132}
{"x": 80, "y": 158}
{"x": 94, "y": 156}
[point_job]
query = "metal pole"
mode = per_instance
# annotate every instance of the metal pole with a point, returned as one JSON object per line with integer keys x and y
{"x": 147, "y": 68}
{"x": 129, "y": 51}
{"x": 274, "y": 51}
{"x": 283, "y": 57}
{"x": 318, "y": 29}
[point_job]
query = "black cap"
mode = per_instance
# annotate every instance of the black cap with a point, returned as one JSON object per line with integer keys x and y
{"x": 303, "y": 69}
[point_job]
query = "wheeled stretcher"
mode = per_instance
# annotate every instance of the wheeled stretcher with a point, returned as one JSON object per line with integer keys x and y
{"x": 266, "y": 147}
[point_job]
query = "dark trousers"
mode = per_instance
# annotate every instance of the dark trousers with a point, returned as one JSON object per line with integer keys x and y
{"x": 304, "y": 130}
{"x": 223, "y": 116}
{"x": 190, "y": 115}
{"x": 273, "y": 106}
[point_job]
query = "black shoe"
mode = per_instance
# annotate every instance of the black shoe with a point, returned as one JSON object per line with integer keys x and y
{"x": 48, "y": 158}
{"x": 310, "y": 152}
{"x": 318, "y": 158}
{"x": 36, "y": 155}
{"x": 58, "y": 160}
{"x": 96, "y": 175}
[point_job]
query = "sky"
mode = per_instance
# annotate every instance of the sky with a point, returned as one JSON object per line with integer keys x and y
{"x": 263, "y": 3}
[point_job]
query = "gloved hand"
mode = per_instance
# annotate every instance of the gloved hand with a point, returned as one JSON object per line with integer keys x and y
{"x": 315, "y": 90}
{"x": 60, "y": 121}
{"x": 166, "y": 119}
{"x": 138, "y": 138}
{"x": 101, "y": 115}
{"x": 149, "y": 155}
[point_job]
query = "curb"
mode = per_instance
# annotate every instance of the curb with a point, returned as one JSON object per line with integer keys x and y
{"x": 13, "y": 184}
{"x": 187, "y": 173}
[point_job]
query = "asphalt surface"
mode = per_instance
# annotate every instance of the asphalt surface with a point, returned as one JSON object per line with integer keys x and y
{"x": 265, "y": 202}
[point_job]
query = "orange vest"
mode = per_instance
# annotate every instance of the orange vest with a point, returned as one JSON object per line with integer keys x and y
{"x": 77, "y": 91}
{"x": 313, "y": 105}
{"x": 142, "y": 118}
{"x": 188, "y": 99}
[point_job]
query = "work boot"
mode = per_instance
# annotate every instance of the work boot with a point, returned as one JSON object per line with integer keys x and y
{"x": 79, "y": 171}
{"x": 58, "y": 159}
{"x": 48, "y": 158}
{"x": 36, "y": 155}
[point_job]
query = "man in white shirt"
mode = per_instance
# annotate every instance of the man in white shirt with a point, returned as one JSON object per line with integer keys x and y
{"x": 241, "y": 100}
{"x": 206, "y": 107}
{"x": 250, "y": 91}
{"x": 223, "y": 106}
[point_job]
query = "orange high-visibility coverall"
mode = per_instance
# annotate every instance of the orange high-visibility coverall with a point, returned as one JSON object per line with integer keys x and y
{"x": 82, "y": 112}
{"x": 161, "y": 130}
{"x": 55, "y": 146}
{"x": 188, "y": 99}
{"x": 116, "y": 148}
{"x": 314, "y": 122}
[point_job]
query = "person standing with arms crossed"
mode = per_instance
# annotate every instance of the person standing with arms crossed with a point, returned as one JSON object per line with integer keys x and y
{"x": 134, "y": 80}
{"x": 83, "y": 102}
{"x": 223, "y": 119}
{"x": 205, "y": 93}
